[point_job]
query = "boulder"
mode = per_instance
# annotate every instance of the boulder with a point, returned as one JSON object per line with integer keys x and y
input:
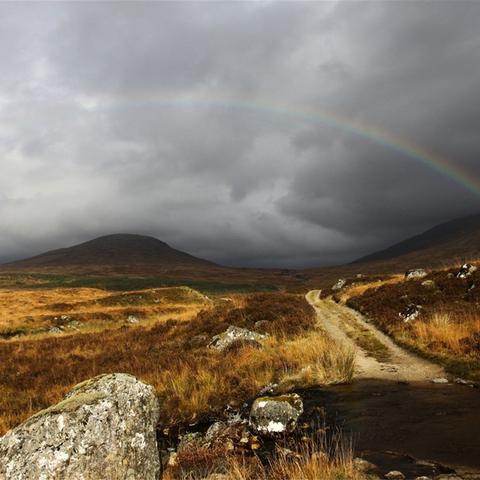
{"x": 132, "y": 319}
{"x": 235, "y": 337}
{"x": 415, "y": 273}
{"x": 275, "y": 416}
{"x": 440, "y": 380}
{"x": 410, "y": 312}
{"x": 466, "y": 270}
{"x": 104, "y": 429}
{"x": 341, "y": 282}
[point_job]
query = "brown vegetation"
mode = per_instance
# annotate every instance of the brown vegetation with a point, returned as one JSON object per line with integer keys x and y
{"x": 30, "y": 312}
{"x": 312, "y": 459}
{"x": 448, "y": 326}
{"x": 192, "y": 380}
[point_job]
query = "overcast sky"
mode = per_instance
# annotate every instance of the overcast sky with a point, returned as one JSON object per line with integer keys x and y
{"x": 184, "y": 121}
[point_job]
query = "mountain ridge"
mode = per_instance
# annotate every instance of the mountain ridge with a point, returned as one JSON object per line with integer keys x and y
{"x": 455, "y": 239}
{"x": 114, "y": 250}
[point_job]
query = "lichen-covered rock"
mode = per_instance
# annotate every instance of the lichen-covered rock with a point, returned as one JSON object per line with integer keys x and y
{"x": 235, "y": 337}
{"x": 104, "y": 429}
{"x": 415, "y": 273}
{"x": 341, "y": 282}
{"x": 275, "y": 416}
{"x": 466, "y": 270}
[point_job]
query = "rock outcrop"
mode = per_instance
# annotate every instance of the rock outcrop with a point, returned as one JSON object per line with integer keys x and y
{"x": 410, "y": 312}
{"x": 104, "y": 429}
{"x": 415, "y": 273}
{"x": 466, "y": 270}
{"x": 341, "y": 282}
{"x": 275, "y": 416}
{"x": 235, "y": 337}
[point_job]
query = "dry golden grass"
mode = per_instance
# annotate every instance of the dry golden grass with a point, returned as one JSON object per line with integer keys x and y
{"x": 448, "y": 333}
{"x": 317, "y": 459}
{"x": 308, "y": 360}
{"x": 192, "y": 380}
{"x": 33, "y": 312}
{"x": 360, "y": 288}
{"x": 448, "y": 327}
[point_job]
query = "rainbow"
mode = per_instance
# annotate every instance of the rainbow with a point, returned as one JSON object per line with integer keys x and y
{"x": 374, "y": 134}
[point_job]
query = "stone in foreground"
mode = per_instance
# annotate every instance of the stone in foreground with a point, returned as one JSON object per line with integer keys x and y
{"x": 275, "y": 416}
{"x": 104, "y": 429}
{"x": 235, "y": 337}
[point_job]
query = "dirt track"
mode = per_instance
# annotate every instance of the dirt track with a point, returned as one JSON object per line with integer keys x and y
{"x": 337, "y": 320}
{"x": 393, "y": 411}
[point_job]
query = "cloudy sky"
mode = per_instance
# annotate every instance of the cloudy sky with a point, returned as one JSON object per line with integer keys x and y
{"x": 209, "y": 125}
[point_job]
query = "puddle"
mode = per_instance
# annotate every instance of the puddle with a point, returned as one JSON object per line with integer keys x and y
{"x": 394, "y": 424}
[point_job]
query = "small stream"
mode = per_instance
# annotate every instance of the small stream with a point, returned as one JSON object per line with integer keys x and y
{"x": 394, "y": 425}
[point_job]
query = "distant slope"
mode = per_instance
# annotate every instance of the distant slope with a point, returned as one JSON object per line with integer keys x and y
{"x": 120, "y": 251}
{"x": 455, "y": 240}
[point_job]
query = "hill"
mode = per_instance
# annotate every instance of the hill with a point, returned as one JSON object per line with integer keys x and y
{"x": 449, "y": 242}
{"x": 112, "y": 252}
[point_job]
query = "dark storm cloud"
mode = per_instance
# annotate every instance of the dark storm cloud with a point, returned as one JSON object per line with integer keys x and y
{"x": 107, "y": 124}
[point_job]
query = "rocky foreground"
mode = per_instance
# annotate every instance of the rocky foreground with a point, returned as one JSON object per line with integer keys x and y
{"x": 106, "y": 428}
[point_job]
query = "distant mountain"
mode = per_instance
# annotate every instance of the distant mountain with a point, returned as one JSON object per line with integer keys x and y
{"x": 452, "y": 241}
{"x": 112, "y": 252}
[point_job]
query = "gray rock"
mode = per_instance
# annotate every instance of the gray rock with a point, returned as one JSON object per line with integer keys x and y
{"x": 275, "y": 416}
{"x": 363, "y": 465}
{"x": 341, "y": 282}
{"x": 410, "y": 312}
{"x": 234, "y": 337}
{"x": 462, "y": 381}
{"x": 415, "y": 273}
{"x": 104, "y": 429}
{"x": 395, "y": 475}
{"x": 132, "y": 319}
{"x": 466, "y": 270}
{"x": 269, "y": 389}
{"x": 55, "y": 330}
{"x": 215, "y": 430}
